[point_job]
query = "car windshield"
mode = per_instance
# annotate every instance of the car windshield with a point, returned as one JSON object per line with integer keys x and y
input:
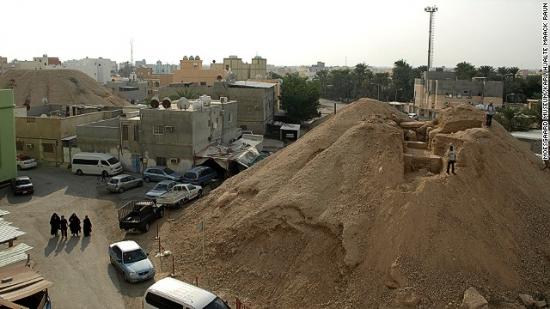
{"x": 23, "y": 158}
{"x": 161, "y": 186}
{"x": 133, "y": 256}
{"x": 113, "y": 181}
{"x": 217, "y": 304}
{"x": 112, "y": 161}
{"x": 189, "y": 175}
{"x": 168, "y": 171}
{"x": 22, "y": 182}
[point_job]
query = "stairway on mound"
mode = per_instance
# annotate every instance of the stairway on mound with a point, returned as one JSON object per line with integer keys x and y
{"x": 416, "y": 153}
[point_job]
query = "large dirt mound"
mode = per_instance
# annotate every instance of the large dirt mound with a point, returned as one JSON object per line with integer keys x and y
{"x": 59, "y": 86}
{"x": 336, "y": 220}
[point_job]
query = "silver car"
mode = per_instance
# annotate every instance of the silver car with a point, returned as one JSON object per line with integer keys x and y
{"x": 123, "y": 182}
{"x": 129, "y": 258}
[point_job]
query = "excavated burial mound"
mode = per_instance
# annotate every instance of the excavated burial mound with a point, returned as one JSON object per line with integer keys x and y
{"x": 59, "y": 86}
{"x": 334, "y": 220}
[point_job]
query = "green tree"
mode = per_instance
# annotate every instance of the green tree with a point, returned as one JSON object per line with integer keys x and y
{"x": 502, "y": 71}
{"x": 418, "y": 71}
{"x": 361, "y": 75}
{"x": 514, "y": 71}
{"x": 341, "y": 85}
{"x": 323, "y": 78}
{"x": 299, "y": 97}
{"x": 403, "y": 79}
{"x": 465, "y": 71}
{"x": 486, "y": 71}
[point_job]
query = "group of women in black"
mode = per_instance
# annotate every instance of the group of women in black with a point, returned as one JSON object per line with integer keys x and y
{"x": 60, "y": 223}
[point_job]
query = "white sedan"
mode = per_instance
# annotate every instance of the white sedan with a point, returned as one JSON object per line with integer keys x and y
{"x": 26, "y": 162}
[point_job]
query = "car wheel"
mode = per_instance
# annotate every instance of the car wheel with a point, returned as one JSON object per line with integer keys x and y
{"x": 147, "y": 179}
{"x": 79, "y": 172}
{"x": 104, "y": 174}
{"x": 121, "y": 190}
{"x": 126, "y": 277}
{"x": 146, "y": 227}
{"x": 200, "y": 193}
{"x": 161, "y": 212}
{"x": 140, "y": 184}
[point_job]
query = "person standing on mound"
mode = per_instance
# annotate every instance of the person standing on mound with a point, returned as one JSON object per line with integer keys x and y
{"x": 451, "y": 159}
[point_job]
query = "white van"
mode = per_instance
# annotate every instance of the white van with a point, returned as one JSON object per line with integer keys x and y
{"x": 95, "y": 164}
{"x": 169, "y": 293}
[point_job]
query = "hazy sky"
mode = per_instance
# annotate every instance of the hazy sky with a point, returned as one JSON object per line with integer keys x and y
{"x": 286, "y": 32}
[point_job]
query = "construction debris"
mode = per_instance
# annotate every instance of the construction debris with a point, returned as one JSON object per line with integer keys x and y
{"x": 339, "y": 219}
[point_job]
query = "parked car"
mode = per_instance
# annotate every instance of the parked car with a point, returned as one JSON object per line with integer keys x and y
{"x": 93, "y": 163}
{"x": 160, "y": 173}
{"x": 129, "y": 258}
{"x": 173, "y": 293}
{"x": 200, "y": 175}
{"x": 26, "y": 162}
{"x": 138, "y": 215}
{"x": 161, "y": 188}
{"x": 179, "y": 195}
{"x": 123, "y": 182}
{"x": 413, "y": 116}
{"x": 22, "y": 185}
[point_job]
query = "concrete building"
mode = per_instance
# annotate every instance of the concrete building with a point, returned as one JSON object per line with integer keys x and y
{"x": 168, "y": 137}
{"x": 3, "y": 64}
{"x": 257, "y": 69}
{"x": 39, "y": 63}
{"x": 99, "y": 69}
{"x": 437, "y": 90}
{"x": 8, "y": 166}
{"x": 42, "y": 130}
{"x": 191, "y": 71}
{"x": 257, "y": 100}
{"x": 132, "y": 90}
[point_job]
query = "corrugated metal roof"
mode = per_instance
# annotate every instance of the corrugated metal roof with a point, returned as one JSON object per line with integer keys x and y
{"x": 4, "y": 222}
{"x": 14, "y": 254}
{"x": 8, "y": 232}
{"x": 252, "y": 84}
{"x": 3, "y": 212}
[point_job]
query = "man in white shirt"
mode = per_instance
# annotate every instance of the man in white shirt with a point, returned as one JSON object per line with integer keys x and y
{"x": 491, "y": 111}
{"x": 451, "y": 159}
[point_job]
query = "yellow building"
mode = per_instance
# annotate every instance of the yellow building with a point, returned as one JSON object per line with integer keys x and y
{"x": 191, "y": 71}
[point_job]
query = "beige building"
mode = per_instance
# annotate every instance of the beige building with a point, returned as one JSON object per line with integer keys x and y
{"x": 191, "y": 71}
{"x": 41, "y": 131}
{"x": 39, "y": 63}
{"x": 257, "y": 69}
{"x": 437, "y": 90}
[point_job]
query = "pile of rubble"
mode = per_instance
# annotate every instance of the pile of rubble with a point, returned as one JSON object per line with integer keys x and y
{"x": 359, "y": 213}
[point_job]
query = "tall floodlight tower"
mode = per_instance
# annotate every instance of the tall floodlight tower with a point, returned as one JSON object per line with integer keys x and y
{"x": 131, "y": 52}
{"x": 431, "y": 10}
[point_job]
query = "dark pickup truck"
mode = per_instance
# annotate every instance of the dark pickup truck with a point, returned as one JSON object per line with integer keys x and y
{"x": 138, "y": 215}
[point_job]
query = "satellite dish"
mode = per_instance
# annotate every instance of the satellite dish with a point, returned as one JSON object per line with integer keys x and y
{"x": 154, "y": 102}
{"x": 166, "y": 103}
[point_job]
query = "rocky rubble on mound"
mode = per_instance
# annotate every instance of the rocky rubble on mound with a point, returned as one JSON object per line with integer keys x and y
{"x": 359, "y": 213}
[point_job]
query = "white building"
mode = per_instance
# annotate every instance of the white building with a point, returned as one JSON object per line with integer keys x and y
{"x": 38, "y": 63}
{"x": 99, "y": 69}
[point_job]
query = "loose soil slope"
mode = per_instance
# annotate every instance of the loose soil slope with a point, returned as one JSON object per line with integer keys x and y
{"x": 333, "y": 221}
{"x": 59, "y": 86}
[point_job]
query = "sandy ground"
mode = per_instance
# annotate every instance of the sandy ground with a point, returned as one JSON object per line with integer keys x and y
{"x": 79, "y": 267}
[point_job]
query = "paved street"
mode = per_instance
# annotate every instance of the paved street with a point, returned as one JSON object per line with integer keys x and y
{"x": 79, "y": 267}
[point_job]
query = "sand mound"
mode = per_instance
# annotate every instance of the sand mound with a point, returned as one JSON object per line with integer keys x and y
{"x": 59, "y": 86}
{"x": 334, "y": 221}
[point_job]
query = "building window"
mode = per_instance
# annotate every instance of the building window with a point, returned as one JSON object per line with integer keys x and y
{"x": 158, "y": 130}
{"x": 48, "y": 148}
{"x": 136, "y": 133}
{"x": 161, "y": 161}
{"x": 124, "y": 132}
{"x": 169, "y": 129}
{"x": 229, "y": 117}
{"x": 174, "y": 161}
{"x": 19, "y": 145}
{"x": 203, "y": 83}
